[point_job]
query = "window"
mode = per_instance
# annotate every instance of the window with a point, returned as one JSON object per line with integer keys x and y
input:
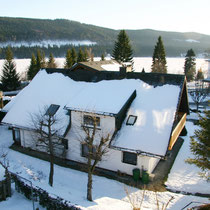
{"x": 130, "y": 158}
{"x": 16, "y": 135}
{"x": 131, "y": 120}
{"x": 85, "y": 151}
{"x": 53, "y": 108}
{"x": 90, "y": 120}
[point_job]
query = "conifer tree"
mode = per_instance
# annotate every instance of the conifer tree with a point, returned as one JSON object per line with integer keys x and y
{"x": 32, "y": 70}
{"x": 190, "y": 65}
{"x": 73, "y": 56}
{"x": 40, "y": 60}
{"x": 51, "y": 62}
{"x": 122, "y": 50}
{"x": 10, "y": 79}
{"x": 36, "y": 64}
{"x": 80, "y": 57}
{"x": 200, "y": 145}
{"x": 86, "y": 55}
{"x": 159, "y": 58}
{"x": 68, "y": 62}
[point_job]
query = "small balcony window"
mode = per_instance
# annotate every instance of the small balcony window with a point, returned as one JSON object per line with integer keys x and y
{"x": 131, "y": 120}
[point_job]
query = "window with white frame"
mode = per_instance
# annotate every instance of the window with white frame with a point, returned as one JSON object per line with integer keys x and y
{"x": 89, "y": 120}
{"x": 130, "y": 158}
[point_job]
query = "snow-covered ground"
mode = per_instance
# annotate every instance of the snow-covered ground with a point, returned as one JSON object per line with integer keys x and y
{"x": 175, "y": 65}
{"x": 107, "y": 194}
{"x": 183, "y": 176}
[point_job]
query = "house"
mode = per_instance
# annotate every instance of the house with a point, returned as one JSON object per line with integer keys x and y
{"x": 144, "y": 113}
{"x": 106, "y": 65}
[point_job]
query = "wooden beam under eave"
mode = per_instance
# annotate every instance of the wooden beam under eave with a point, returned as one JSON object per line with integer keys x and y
{"x": 177, "y": 130}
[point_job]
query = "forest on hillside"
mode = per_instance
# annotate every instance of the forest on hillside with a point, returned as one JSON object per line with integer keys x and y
{"x": 30, "y": 30}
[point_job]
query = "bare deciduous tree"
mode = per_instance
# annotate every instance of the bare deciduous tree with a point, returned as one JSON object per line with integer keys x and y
{"x": 48, "y": 135}
{"x": 198, "y": 94}
{"x": 4, "y": 162}
{"x": 95, "y": 147}
{"x": 137, "y": 199}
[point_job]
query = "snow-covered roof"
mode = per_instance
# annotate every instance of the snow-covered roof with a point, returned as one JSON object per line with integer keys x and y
{"x": 46, "y": 89}
{"x": 154, "y": 106}
{"x": 155, "y": 109}
{"x": 109, "y": 65}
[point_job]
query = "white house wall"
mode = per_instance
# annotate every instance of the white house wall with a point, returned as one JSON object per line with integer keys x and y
{"x": 28, "y": 139}
{"x": 113, "y": 159}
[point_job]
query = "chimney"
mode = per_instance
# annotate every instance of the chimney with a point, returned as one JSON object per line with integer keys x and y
{"x": 123, "y": 70}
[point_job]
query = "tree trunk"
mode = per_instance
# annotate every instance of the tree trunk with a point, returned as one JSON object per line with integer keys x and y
{"x": 51, "y": 170}
{"x": 89, "y": 186}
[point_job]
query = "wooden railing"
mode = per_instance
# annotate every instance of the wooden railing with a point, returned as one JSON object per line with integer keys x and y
{"x": 178, "y": 129}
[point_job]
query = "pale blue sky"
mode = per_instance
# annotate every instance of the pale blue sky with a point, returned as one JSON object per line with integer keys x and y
{"x": 167, "y": 15}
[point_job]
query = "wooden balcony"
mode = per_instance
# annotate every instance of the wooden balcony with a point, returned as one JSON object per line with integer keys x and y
{"x": 179, "y": 125}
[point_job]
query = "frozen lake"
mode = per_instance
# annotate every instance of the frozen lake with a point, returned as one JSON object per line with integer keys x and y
{"x": 175, "y": 65}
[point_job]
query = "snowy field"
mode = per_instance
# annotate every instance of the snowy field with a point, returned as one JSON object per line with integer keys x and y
{"x": 175, "y": 65}
{"x": 107, "y": 194}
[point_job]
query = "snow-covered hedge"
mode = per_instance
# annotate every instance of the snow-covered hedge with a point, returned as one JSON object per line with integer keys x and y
{"x": 49, "y": 201}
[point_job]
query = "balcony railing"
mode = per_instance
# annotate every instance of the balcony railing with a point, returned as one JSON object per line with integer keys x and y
{"x": 179, "y": 125}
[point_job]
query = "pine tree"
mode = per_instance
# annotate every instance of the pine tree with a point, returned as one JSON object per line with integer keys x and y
{"x": 40, "y": 60}
{"x": 200, "y": 75}
{"x": 122, "y": 50}
{"x": 200, "y": 145}
{"x": 68, "y": 62}
{"x": 36, "y": 64}
{"x": 190, "y": 65}
{"x": 73, "y": 56}
{"x": 32, "y": 70}
{"x": 159, "y": 58}
{"x": 80, "y": 57}
{"x": 86, "y": 55}
{"x": 10, "y": 79}
{"x": 51, "y": 62}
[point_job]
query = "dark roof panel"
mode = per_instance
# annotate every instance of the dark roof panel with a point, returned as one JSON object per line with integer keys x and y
{"x": 53, "y": 108}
